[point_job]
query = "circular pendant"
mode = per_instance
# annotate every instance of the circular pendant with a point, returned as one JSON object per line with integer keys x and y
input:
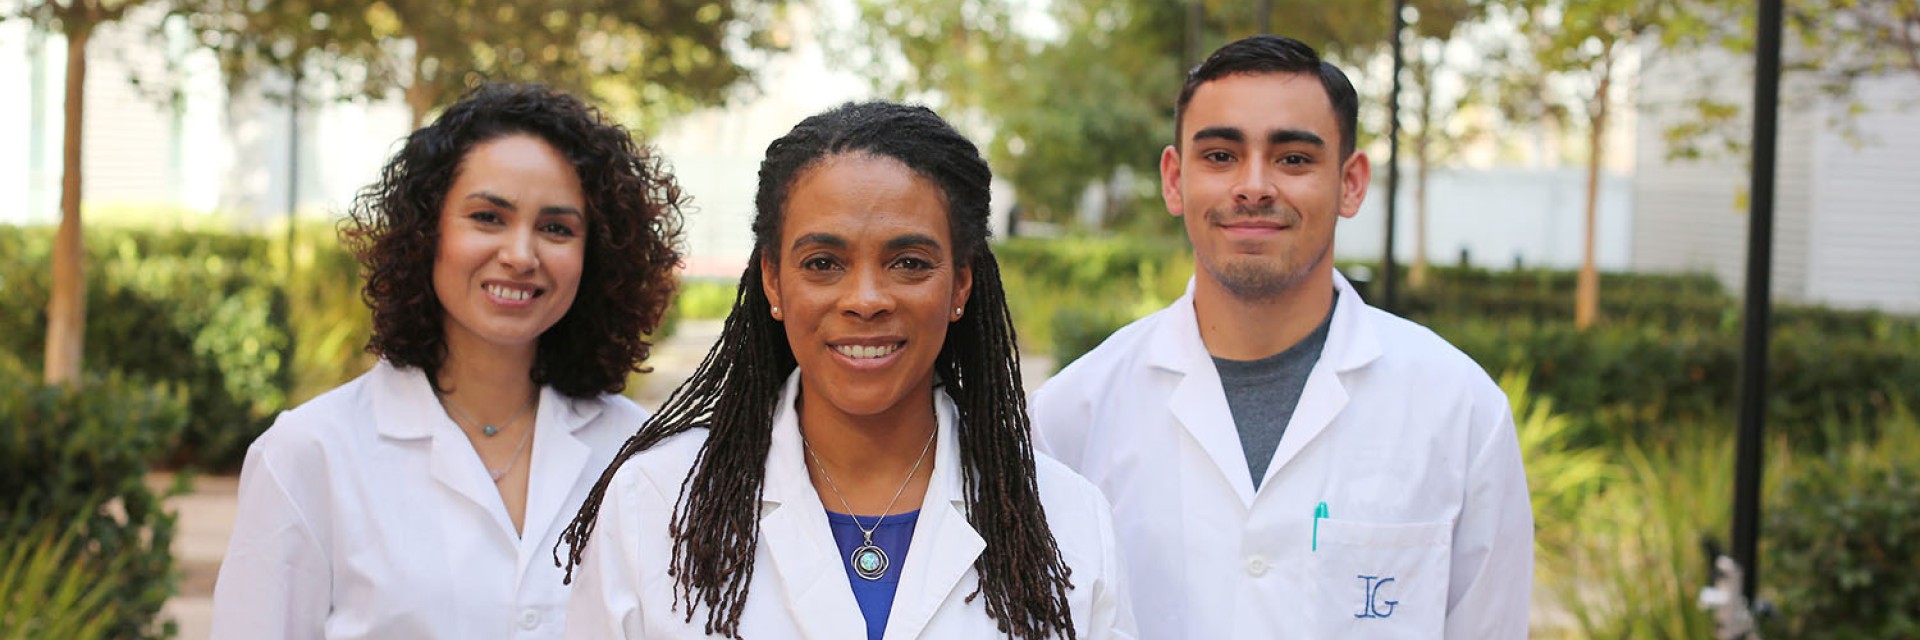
{"x": 490, "y": 430}
{"x": 869, "y": 562}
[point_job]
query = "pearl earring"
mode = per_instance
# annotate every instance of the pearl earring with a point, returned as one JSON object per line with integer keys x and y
{"x": 776, "y": 312}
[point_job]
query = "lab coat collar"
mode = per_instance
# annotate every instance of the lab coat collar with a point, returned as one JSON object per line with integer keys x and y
{"x": 795, "y": 532}
{"x": 1353, "y": 342}
{"x": 1199, "y": 401}
{"x": 405, "y": 408}
{"x": 1353, "y": 339}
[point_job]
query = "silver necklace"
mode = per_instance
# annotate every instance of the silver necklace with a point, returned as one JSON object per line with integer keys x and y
{"x": 502, "y": 472}
{"x": 460, "y": 418}
{"x": 487, "y": 430}
{"x": 869, "y": 560}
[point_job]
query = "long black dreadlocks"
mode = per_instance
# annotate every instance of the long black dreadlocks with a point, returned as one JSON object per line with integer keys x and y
{"x": 734, "y": 393}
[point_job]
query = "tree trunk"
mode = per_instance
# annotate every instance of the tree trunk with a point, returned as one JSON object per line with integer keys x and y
{"x": 419, "y": 100}
{"x": 1417, "y": 274}
{"x": 1196, "y": 19}
{"x": 1586, "y": 305}
{"x": 67, "y": 310}
{"x": 421, "y": 92}
{"x": 1422, "y": 161}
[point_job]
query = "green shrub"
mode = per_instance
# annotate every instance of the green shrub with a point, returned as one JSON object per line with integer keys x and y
{"x": 1842, "y": 539}
{"x": 1077, "y": 330}
{"x": 1106, "y": 282}
{"x": 1561, "y": 475}
{"x": 1655, "y": 300}
{"x": 1627, "y": 563}
{"x": 45, "y": 593}
{"x": 328, "y": 324}
{"x": 705, "y": 299}
{"x": 81, "y": 456}
{"x": 204, "y": 310}
{"x": 1619, "y": 380}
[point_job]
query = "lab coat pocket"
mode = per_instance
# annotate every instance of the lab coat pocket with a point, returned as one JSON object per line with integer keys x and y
{"x": 1380, "y": 580}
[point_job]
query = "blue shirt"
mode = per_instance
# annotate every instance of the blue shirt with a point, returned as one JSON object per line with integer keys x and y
{"x": 893, "y": 536}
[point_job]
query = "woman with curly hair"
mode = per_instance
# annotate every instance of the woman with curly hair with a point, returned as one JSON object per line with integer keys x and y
{"x": 517, "y": 251}
{"x": 851, "y": 460}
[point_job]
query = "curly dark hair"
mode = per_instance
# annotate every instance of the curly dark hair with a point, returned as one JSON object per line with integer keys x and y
{"x": 737, "y": 388}
{"x": 633, "y": 237}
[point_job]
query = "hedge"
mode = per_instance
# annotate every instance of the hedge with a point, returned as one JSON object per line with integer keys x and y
{"x": 1842, "y": 540}
{"x": 203, "y": 310}
{"x": 80, "y": 456}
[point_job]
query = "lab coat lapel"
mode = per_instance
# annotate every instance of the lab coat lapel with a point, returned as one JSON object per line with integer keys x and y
{"x": 1198, "y": 403}
{"x": 944, "y": 544}
{"x": 795, "y": 533}
{"x": 405, "y": 408}
{"x": 556, "y": 462}
{"x": 1351, "y": 343}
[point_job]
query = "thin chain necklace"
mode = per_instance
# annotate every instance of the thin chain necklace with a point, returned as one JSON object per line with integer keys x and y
{"x": 487, "y": 430}
{"x": 869, "y": 561}
{"x": 500, "y": 473}
{"x": 460, "y": 418}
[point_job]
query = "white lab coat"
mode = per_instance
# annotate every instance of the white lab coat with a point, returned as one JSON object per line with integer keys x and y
{"x": 366, "y": 513}
{"x": 799, "y": 587}
{"x": 1429, "y": 531}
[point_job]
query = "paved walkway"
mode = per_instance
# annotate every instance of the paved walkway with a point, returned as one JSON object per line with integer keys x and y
{"x": 206, "y": 514}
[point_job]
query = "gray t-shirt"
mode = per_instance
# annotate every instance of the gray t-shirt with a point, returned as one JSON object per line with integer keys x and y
{"x": 1262, "y": 394}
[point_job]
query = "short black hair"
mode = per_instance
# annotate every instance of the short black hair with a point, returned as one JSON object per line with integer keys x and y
{"x": 1266, "y": 53}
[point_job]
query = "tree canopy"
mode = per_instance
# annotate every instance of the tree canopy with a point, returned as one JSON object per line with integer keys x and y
{"x": 646, "y": 60}
{"x": 1076, "y": 91}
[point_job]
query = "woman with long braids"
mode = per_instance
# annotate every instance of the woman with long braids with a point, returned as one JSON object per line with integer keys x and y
{"x": 517, "y": 251}
{"x": 852, "y": 458}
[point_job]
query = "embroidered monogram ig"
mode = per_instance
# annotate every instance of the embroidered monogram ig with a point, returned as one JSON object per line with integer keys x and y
{"x": 1372, "y": 607}
{"x": 869, "y": 561}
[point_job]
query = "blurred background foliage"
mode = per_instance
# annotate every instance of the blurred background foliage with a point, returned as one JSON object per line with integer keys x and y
{"x": 197, "y": 334}
{"x": 205, "y": 335}
{"x": 74, "y": 494}
{"x": 45, "y": 594}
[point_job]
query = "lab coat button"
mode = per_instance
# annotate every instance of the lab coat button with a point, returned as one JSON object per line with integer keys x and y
{"x": 529, "y": 619}
{"x": 1256, "y": 565}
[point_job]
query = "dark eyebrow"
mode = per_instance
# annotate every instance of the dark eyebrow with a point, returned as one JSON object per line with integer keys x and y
{"x": 1287, "y": 136}
{"x": 912, "y": 240}
{"x": 496, "y": 200}
{"x": 504, "y": 203}
{"x": 826, "y": 239}
{"x": 1229, "y": 134}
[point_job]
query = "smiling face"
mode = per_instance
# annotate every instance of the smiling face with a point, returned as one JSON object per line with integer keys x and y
{"x": 865, "y": 283}
{"x": 1260, "y": 182}
{"x": 512, "y": 244}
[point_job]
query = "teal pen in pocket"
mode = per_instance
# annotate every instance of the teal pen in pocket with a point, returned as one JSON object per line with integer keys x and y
{"x": 1318, "y": 513}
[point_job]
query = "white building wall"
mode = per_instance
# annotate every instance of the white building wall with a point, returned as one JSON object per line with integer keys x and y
{"x": 1500, "y": 217}
{"x": 342, "y": 146}
{"x": 26, "y": 154}
{"x": 1846, "y": 212}
{"x": 1865, "y": 251}
{"x": 140, "y": 149}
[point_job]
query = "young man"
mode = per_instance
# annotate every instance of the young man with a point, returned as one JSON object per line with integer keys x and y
{"x": 1283, "y": 460}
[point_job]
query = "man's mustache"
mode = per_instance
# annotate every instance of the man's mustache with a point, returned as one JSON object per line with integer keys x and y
{"x": 1241, "y": 213}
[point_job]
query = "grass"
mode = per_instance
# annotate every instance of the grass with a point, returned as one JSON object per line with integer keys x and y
{"x": 45, "y": 593}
